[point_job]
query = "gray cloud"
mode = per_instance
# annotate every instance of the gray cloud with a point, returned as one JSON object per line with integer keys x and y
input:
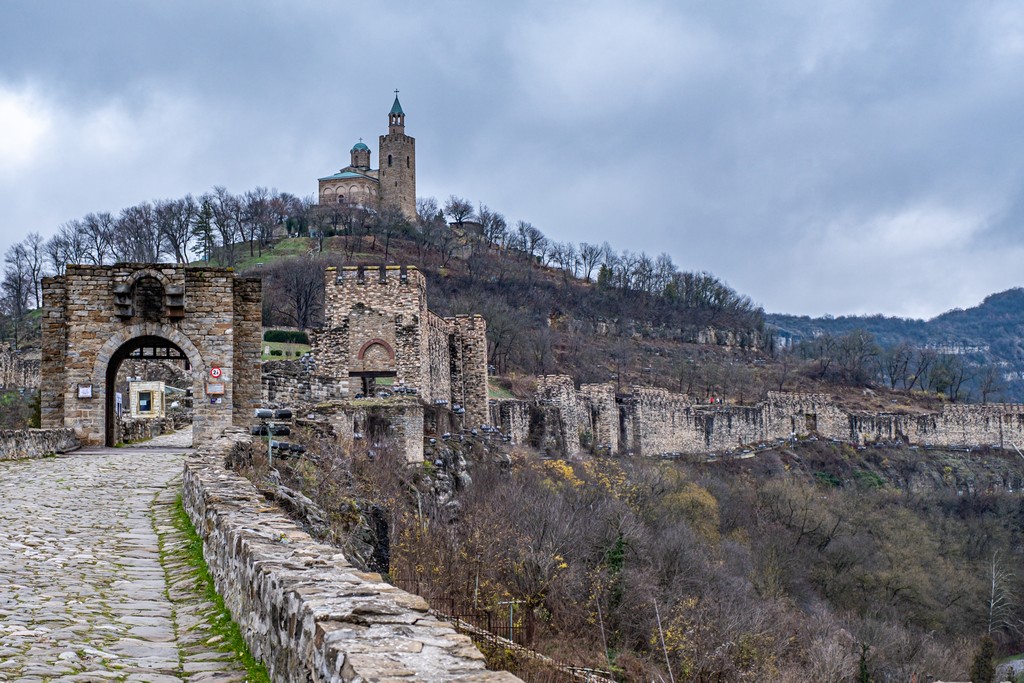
{"x": 843, "y": 157}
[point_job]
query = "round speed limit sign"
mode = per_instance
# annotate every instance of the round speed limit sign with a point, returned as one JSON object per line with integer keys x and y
{"x": 215, "y": 372}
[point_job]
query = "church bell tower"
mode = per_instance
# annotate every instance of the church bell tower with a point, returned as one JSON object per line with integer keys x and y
{"x": 398, "y": 165}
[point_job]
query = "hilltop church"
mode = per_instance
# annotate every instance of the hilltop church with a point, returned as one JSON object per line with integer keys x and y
{"x": 393, "y": 185}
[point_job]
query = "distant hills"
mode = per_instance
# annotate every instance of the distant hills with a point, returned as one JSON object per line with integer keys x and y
{"x": 990, "y": 333}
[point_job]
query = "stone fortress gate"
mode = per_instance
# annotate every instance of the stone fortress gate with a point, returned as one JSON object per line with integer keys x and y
{"x": 95, "y": 317}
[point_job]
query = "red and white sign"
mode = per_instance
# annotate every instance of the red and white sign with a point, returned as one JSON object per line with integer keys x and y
{"x": 215, "y": 372}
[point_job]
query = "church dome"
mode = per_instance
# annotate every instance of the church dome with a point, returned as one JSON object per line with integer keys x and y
{"x": 359, "y": 146}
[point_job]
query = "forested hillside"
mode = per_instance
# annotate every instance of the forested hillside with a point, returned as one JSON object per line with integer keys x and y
{"x": 989, "y": 336}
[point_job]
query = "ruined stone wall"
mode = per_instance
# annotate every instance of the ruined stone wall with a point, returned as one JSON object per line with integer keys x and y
{"x": 663, "y": 422}
{"x": 512, "y": 417}
{"x": 36, "y": 443}
{"x": 471, "y": 389}
{"x": 559, "y": 414}
{"x": 399, "y": 424}
{"x": 652, "y": 421}
{"x": 329, "y": 349}
{"x": 19, "y": 369}
{"x": 601, "y": 414}
{"x": 801, "y": 414}
{"x": 303, "y": 610}
{"x": 290, "y": 383}
{"x": 730, "y": 427}
{"x": 441, "y": 367}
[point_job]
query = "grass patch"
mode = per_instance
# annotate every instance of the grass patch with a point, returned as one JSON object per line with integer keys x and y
{"x": 286, "y": 351}
{"x": 496, "y": 390}
{"x": 286, "y": 248}
{"x": 221, "y": 623}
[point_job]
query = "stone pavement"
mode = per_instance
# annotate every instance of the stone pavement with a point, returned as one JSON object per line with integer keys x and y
{"x": 93, "y": 582}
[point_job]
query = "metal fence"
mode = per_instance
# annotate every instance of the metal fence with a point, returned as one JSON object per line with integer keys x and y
{"x": 504, "y": 635}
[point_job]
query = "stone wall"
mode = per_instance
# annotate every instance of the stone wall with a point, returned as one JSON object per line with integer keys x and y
{"x": 247, "y": 312}
{"x": 443, "y": 371}
{"x": 36, "y": 443}
{"x": 650, "y": 421}
{"x": 129, "y": 430}
{"x": 469, "y": 341}
{"x": 19, "y": 369}
{"x": 601, "y": 414}
{"x": 557, "y": 425}
{"x": 396, "y": 423}
{"x": 303, "y": 610}
{"x": 291, "y": 383}
{"x": 512, "y": 417}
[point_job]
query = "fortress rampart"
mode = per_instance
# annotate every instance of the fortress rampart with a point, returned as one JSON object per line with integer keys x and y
{"x": 303, "y": 610}
{"x": 651, "y": 421}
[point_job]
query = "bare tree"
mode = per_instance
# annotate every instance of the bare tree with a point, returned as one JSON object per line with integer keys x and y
{"x": 98, "y": 233}
{"x": 427, "y": 211}
{"x": 295, "y": 290}
{"x": 16, "y": 286}
{"x": 136, "y": 238}
{"x": 895, "y": 362}
{"x": 391, "y": 222}
{"x": 1001, "y": 606}
{"x": 590, "y": 258}
{"x": 991, "y": 382}
{"x": 458, "y": 209}
{"x": 494, "y": 225}
{"x": 176, "y": 223}
{"x": 66, "y": 246}
{"x": 224, "y": 206}
{"x": 255, "y": 218}
{"x": 920, "y": 369}
{"x": 35, "y": 253}
{"x": 564, "y": 255}
{"x": 531, "y": 240}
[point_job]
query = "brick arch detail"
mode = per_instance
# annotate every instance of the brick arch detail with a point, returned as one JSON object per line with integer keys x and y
{"x": 376, "y": 340}
{"x": 147, "y": 272}
{"x": 125, "y": 335}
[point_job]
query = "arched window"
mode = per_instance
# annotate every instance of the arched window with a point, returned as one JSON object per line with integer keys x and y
{"x": 389, "y": 160}
{"x": 407, "y": 163}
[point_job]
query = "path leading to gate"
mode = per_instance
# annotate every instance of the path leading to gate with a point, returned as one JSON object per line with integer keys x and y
{"x": 93, "y": 581}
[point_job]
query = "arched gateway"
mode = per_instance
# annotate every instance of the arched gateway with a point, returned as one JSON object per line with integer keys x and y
{"x": 95, "y": 317}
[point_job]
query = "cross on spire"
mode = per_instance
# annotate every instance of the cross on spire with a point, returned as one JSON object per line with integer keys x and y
{"x": 396, "y": 92}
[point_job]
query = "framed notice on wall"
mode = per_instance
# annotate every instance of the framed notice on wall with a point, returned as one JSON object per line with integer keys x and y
{"x": 214, "y": 388}
{"x": 84, "y": 391}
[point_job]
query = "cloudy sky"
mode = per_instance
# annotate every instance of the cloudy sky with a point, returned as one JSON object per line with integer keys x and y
{"x": 835, "y": 157}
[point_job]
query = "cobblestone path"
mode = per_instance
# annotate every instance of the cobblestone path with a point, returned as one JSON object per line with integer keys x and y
{"x": 93, "y": 580}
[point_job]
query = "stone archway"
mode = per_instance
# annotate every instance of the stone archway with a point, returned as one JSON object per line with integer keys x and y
{"x": 117, "y": 351}
{"x": 94, "y": 317}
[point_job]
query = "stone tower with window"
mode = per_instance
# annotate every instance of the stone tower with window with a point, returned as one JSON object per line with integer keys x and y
{"x": 398, "y": 165}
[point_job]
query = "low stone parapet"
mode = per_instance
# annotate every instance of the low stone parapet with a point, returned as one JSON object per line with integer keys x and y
{"x": 35, "y": 443}
{"x": 304, "y": 611}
